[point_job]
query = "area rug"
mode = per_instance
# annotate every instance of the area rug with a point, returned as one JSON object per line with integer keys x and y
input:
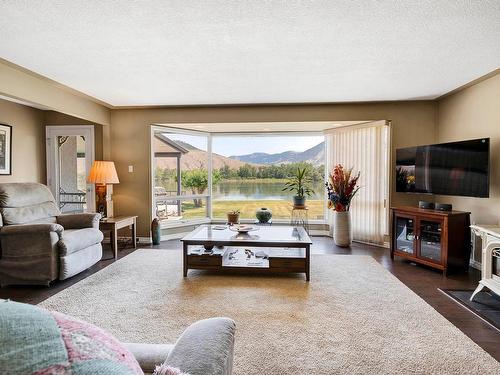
{"x": 354, "y": 317}
{"x": 486, "y": 304}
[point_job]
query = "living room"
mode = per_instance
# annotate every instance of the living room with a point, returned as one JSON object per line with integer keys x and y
{"x": 161, "y": 206}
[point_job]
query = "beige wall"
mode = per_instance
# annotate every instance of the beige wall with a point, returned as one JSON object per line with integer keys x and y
{"x": 28, "y": 142}
{"x": 19, "y": 83}
{"x": 413, "y": 123}
{"x": 28, "y": 139}
{"x": 475, "y": 113}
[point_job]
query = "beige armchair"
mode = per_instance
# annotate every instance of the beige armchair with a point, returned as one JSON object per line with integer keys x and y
{"x": 37, "y": 243}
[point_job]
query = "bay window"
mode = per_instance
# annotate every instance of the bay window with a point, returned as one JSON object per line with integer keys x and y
{"x": 197, "y": 176}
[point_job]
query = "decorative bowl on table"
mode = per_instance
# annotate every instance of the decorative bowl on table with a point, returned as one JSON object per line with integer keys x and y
{"x": 241, "y": 228}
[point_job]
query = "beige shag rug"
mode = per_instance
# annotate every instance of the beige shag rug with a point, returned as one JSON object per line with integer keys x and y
{"x": 354, "y": 317}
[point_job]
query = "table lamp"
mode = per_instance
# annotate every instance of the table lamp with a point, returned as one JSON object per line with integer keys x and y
{"x": 103, "y": 175}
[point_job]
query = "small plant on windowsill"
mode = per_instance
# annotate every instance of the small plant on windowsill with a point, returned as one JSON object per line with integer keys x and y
{"x": 300, "y": 183}
{"x": 233, "y": 217}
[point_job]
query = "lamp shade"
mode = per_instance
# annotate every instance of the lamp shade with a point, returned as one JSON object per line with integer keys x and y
{"x": 103, "y": 172}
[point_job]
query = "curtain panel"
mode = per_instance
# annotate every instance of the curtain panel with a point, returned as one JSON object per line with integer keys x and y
{"x": 365, "y": 149}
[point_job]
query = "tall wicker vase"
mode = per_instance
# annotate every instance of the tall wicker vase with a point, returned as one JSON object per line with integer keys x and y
{"x": 342, "y": 233}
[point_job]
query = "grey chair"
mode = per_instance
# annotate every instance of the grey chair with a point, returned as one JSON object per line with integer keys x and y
{"x": 37, "y": 243}
{"x": 205, "y": 348}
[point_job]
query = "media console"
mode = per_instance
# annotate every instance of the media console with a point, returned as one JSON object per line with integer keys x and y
{"x": 439, "y": 239}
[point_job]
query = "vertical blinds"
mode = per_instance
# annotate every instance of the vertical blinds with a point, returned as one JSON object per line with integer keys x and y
{"x": 365, "y": 149}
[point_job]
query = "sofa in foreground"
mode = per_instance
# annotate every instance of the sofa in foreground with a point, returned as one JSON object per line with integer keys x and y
{"x": 34, "y": 340}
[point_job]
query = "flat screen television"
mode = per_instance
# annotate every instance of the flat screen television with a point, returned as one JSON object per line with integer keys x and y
{"x": 455, "y": 168}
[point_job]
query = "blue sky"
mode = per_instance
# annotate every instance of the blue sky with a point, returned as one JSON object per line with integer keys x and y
{"x": 241, "y": 145}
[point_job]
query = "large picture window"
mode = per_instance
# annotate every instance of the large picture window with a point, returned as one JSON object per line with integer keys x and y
{"x": 248, "y": 172}
{"x": 251, "y": 170}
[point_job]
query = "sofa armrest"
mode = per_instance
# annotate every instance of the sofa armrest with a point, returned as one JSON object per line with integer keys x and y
{"x": 205, "y": 348}
{"x": 27, "y": 240}
{"x": 149, "y": 355}
{"x": 31, "y": 229}
{"x": 79, "y": 221}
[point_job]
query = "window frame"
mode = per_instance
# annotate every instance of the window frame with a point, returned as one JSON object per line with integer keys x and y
{"x": 207, "y": 197}
{"x": 174, "y": 128}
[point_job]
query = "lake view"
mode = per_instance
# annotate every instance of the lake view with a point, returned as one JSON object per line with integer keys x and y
{"x": 258, "y": 190}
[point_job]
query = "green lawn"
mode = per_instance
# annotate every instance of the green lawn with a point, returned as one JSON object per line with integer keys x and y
{"x": 281, "y": 209}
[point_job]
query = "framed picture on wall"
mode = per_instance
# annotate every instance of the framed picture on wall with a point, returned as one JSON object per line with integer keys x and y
{"x": 5, "y": 149}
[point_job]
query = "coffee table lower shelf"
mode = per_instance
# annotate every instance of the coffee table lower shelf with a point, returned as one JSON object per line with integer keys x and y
{"x": 282, "y": 264}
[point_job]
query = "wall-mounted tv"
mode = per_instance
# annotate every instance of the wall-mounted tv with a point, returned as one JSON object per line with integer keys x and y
{"x": 455, "y": 168}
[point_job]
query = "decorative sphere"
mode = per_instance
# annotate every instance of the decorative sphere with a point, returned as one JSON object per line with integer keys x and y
{"x": 263, "y": 215}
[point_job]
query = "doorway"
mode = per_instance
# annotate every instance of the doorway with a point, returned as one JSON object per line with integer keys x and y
{"x": 70, "y": 154}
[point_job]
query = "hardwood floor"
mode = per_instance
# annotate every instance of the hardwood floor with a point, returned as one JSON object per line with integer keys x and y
{"x": 423, "y": 281}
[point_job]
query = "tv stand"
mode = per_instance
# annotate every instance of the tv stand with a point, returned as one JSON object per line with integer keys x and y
{"x": 437, "y": 239}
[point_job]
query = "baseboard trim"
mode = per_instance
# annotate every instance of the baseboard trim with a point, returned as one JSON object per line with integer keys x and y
{"x": 313, "y": 232}
{"x": 173, "y": 236}
{"x": 475, "y": 264}
{"x": 140, "y": 240}
{"x": 144, "y": 240}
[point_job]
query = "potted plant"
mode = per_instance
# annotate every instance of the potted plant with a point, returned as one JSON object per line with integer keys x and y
{"x": 300, "y": 184}
{"x": 341, "y": 187}
{"x": 233, "y": 217}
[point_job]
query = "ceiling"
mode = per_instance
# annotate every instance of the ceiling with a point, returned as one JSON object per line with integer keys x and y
{"x": 135, "y": 53}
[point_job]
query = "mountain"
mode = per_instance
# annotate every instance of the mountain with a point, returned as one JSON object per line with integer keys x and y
{"x": 315, "y": 155}
{"x": 196, "y": 158}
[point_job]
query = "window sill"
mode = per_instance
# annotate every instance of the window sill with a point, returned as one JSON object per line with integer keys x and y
{"x": 183, "y": 223}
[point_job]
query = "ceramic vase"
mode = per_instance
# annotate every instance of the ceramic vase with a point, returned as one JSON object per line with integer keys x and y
{"x": 342, "y": 233}
{"x": 156, "y": 231}
{"x": 263, "y": 215}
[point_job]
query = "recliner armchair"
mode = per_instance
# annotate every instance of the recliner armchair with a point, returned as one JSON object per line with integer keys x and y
{"x": 37, "y": 243}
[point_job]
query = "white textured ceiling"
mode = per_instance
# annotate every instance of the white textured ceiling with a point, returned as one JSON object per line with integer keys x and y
{"x": 255, "y": 51}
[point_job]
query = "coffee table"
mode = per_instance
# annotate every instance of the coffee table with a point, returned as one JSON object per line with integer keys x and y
{"x": 286, "y": 250}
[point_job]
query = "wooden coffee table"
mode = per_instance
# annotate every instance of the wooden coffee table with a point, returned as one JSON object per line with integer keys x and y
{"x": 286, "y": 250}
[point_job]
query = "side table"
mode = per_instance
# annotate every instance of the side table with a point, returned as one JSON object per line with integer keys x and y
{"x": 300, "y": 217}
{"x": 112, "y": 224}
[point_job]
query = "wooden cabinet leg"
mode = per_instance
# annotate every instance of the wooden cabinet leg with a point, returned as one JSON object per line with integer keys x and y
{"x": 114, "y": 242}
{"x": 184, "y": 259}
{"x": 308, "y": 263}
{"x": 134, "y": 235}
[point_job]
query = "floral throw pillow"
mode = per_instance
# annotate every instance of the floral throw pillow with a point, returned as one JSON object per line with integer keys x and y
{"x": 42, "y": 342}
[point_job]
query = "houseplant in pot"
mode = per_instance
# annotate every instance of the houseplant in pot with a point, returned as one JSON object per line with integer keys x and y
{"x": 233, "y": 217}
{"x": 341, "y": 187}
{"x": 300, "y": 183}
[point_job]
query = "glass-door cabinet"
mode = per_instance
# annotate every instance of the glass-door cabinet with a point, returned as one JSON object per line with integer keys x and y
{"x": 418, "y": 237}
{"x": 430, "y": 240}
{"x": 437, "y": 239}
